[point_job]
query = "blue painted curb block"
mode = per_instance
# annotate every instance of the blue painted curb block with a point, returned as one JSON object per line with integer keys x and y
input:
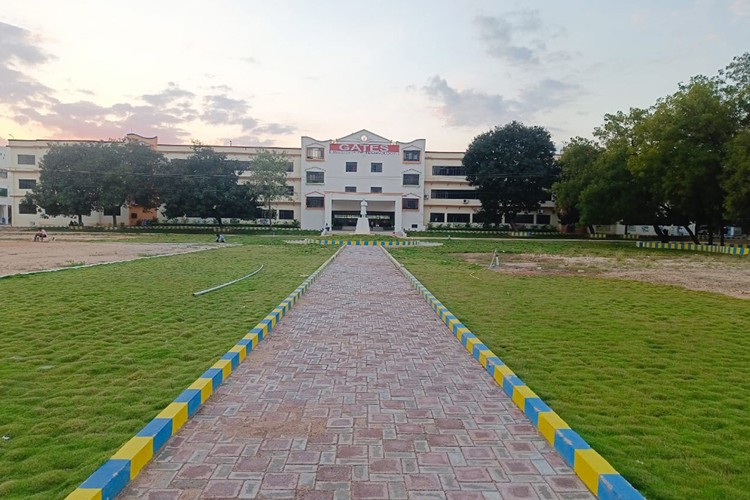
{"x": 366, "y": 243}
{"x": 595, "y": 472}
{"x": 112, "y": 477}
{"x": 681, "y": 245}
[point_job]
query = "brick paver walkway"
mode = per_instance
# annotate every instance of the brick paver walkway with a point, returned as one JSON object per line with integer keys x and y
{"x": 359, "y": 392}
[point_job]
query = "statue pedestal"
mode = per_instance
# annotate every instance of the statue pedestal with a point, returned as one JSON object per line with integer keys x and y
{"x": 363, "y": 226}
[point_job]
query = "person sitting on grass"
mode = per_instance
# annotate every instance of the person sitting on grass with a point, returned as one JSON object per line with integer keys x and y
{"x": 40, "y": 235}
{"x": 220, "y": 238}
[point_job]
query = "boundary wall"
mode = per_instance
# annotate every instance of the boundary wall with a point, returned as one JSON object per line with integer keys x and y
{"x": 595, "y": 472}
{"x": 112, "y": 477}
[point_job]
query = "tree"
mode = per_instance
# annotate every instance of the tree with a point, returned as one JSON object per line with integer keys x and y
{"x": 206, "y": 184}
{"x": 76, "y": 179}
{"x": 577, "y": 169}
{"x": 680, "y": 151}
{"x": 268, "y": 178}
{"x": 737, "y": 178}
{"x": 66, "y": 185}
{"x": 512, "y": 168}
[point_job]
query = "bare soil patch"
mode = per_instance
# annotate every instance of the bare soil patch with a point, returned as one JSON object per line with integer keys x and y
{"x": 20, "y": 254}
{"x": 705, "y": 273}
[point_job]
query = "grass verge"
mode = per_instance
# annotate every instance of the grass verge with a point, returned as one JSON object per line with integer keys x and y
{"x": 88, "y": 356}
{"x": 652, "y": 376}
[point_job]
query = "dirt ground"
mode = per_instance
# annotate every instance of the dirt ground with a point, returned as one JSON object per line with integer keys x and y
{"x": 707, "y": 273}
{"x": 20, "y": 254}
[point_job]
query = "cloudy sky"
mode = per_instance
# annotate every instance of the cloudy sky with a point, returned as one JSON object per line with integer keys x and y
{"x": 265, "y": 73}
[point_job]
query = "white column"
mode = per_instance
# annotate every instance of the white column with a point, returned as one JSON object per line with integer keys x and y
{"x": 329, "y": 209}
{"x": 397, "y": 223}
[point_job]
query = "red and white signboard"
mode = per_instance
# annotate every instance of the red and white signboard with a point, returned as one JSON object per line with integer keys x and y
{"x": 381, "y": 149}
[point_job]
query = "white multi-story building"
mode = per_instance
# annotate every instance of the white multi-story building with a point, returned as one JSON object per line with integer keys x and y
{"x": 405, "y": 186}
{"x": 5, "y": 205}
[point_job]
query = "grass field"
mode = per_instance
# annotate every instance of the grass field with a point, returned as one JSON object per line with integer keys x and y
{"x": 88, "y": 356}
{"x": 654, "y": 377}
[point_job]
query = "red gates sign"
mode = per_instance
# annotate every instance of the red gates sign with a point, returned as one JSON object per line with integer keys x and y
{"x": 383, "y": 149}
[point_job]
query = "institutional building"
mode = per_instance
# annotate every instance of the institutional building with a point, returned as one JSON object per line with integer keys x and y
{"x": 406, "y": 187}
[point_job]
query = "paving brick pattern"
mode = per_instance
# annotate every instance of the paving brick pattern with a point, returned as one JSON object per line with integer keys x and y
{"x": 359, "y": 392}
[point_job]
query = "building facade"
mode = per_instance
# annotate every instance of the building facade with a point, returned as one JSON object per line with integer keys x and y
{"x": 405, "y": 186}
{"x": 5, "y": 204}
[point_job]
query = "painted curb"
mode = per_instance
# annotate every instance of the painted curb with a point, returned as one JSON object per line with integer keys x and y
{"x": 595, "y": 472}
{"x": 742, "y": 250}
{"x": 367, "y": 243}
{"x": 112, "y": 477}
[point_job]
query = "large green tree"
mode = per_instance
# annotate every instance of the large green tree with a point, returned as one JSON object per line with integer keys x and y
{"x": 268, "y": 178}
{"x": 680, "y": 152}
{"x": 76, "y": 179}
{"x": 512, "y": 168}
{"x": 206, "y": 184}
{"x": 577, "y": 171}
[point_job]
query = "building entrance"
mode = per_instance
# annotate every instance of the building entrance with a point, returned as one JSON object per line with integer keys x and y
{"x": 345, "y": 220}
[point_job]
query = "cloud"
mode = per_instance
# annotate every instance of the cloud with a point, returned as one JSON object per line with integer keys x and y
{"x": 19, "y": 50}
{"x": 475, "y": 108}
{"x": 468, "y": 107}
{"x": 741, "y": 7}
{"x": 168, "y": 113}
{"x": 17, "y": 44}
{"x": 276, "y": 129}
{"x": 518, "y": 37}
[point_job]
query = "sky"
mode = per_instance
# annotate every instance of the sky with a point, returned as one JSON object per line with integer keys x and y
{"x": 264, "y": 73}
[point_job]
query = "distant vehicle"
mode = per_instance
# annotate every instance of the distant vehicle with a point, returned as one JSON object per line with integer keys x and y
{"x": 732, "y": 231}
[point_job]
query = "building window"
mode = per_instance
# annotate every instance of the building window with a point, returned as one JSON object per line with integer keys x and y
{"x": 316, "y": 177}
{"x": 350, "y": 189}
{"x": 376, "y": 167}
{"x": 26, "y": 183}
{"x": 26, "y": 160}
{"x": 410, "y": 203}
{"x": 435, "y": 217}
{"x": 351, "y": 166}
{"x": 3, "y": 192}
{"x": 542, "y": 219}
{"x": 286, "y": 214}
{"x": 290, "y": 166}
{"x": 453, "y": 194}
{"x": 376, "y": 189}
{"x": 134, "y": 215}
{"x": 411, "y": 179}
{"x": 411, "y": 155}
{"x": 459, "y": 218}
{"x": 314, "y": 202}
{"x": 26, "y": 208}
{"x": 524, "y": 218}
{"x": 315, "y": 153}
{"x": 3, "y": 173}
{"x": 289, "y": 190}
{"x": 454, "y": 171}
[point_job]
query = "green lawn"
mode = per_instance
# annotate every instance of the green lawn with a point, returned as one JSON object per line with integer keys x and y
{"x": 88, "y": 356}
{"x": 654, "y": 377}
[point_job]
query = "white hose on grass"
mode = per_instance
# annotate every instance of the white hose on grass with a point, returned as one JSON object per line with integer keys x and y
{"x": 195, "y": 294}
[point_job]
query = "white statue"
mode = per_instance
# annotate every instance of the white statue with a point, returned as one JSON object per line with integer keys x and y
{"x": 363, "y": 209}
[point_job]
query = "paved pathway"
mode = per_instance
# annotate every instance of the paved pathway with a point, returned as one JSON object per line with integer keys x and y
{"x": 359, "y": 392}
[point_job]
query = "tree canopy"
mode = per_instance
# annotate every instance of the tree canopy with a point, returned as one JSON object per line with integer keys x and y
{"x": 512, "y": 168}
{"x": 76, "y": 179}
{"x": 207, "y": 184}
{"x": 268, "y": 178}
{"x": 684, "y": 161}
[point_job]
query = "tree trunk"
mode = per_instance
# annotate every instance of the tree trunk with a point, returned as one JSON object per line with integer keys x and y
{"x": 692, "y": 235}
{"x": 626, "y": 229}
{"x": 114, "y": 220}
{"x": 721, "y": 234}
{"x": 710, "y": 235}
{"x": 270, "y": 217}
{"x": 663, "y": 236}
{"x": 80, "y": 220}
